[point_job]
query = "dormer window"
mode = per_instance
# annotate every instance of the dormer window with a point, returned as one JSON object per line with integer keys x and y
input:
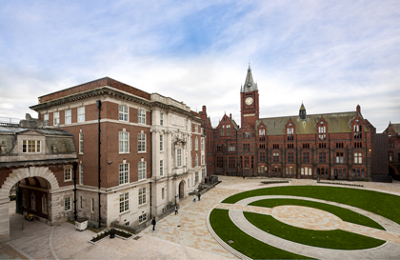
{"x": 261, "y": 133}
{"x": 322, "y": 133}
{"x": 357, "y": 131}
{"x": 228, "y": 130}
{"x": 290, "y": 133}
{"x": 222, "y": 130}
{"x": 31, "y": 146}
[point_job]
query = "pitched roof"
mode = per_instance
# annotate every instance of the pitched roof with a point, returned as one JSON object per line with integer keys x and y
{"x": 396, "y": 128}
{"x": 249, "y": 84}
{"x": 337, "y": 123}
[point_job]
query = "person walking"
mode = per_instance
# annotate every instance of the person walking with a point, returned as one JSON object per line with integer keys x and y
{"x": 176, "y": 210}
{"x": 153, "y": 222}
{"x": 194, "y": 198}
{"x": 199, "y": 195}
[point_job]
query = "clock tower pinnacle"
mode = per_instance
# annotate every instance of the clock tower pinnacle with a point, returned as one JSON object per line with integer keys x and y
{"x": 249, "y": 106}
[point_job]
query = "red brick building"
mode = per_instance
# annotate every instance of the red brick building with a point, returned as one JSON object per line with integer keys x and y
{"x": 393, "y": 132}
{"x": 325, "y": 146}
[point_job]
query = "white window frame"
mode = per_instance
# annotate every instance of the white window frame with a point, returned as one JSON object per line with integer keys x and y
{"x": 46, "y": 119}
{"x": 202, "y": 159}
{"x": 67, "y": 172}
{"x": 123, "y": 113}
{"x": 358, "y": 158}
{"x": 141, "y": 170}
{"x": 142, "y": 196}
{"x": 141, "y": 142}
{"x": 123, "y": 142}
{"x": 161, "y": 143}
{"x": 123, "y": 173}
{"x": 196, "y": 160}
{"x": 123, "y": 202}
{"x": 202, "y": 144}
{"x": 196, "y": 144}
{"x": 141, "y": 116}
{"x": 67, "y": 204}
{"x": 162, "y": 119}
{"x": 81, "y": 143}
{"x": 56, "y": 118}
{"x": 142, "y": 218}
{"x": 81, "y": 114}
{"x": 68, "y": 116}
{"x": 27, "y": 145}
{"x": 178, "y": 157}
{"x": 196, "y": 177}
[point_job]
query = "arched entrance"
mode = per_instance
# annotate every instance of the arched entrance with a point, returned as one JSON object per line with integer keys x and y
{"x": 34, "y": 186}
{"x": 392, "y": 172}
{"x": 182, "y": 189}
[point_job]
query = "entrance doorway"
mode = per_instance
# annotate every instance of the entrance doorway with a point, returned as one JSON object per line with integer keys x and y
{"x": 182, "y": 189}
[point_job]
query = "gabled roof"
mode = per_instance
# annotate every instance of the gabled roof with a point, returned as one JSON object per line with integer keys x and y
{"x": 396, "y": 128}
{"x": 337, "y": 123}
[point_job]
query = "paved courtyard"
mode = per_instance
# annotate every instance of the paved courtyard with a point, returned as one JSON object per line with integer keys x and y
{"x": 182, "y": 236}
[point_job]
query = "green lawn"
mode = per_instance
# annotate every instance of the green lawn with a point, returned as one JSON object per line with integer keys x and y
{"x": 386, "y": 205}
{"x": 345, "y": 214}
{"x": 253, "y": 248}
{"x": 333, "y": 239}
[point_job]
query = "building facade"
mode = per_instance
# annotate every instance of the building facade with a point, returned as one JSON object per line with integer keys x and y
{"x": 393, "y": 133}
{"x": 324, "y": 146}
{"x": 151, "y": 149}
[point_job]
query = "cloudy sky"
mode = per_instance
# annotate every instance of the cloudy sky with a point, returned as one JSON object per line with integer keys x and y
{"x": 332, "y": 55}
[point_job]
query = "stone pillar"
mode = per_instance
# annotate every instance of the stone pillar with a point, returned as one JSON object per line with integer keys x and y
{"x": 4, "y": 220}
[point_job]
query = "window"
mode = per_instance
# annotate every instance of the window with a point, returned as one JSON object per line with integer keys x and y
{"x": 196, "y": 144}
{"x": 262, "y": 146}
{"x": 31, "y": 146}
{"x": 322, "y": 132}
{"x": 339, "y": 157}
{"x": 202, "y": 144}
{"x": 56, "y": 118}
{"x": 80, "y": 143}
{"x": 306, "y": 146}
{"x": 81, "y": 114}
{"x": 123, "y": 114}
{"x": 390, "y": 157}
{"x": 67, "y": 174}
{"x": 262, "y": 156}
{"x": 186, "y": 124}
{"x": 220, "y": 161}
{"x": 142, "y": 196}
{"x": 162, "y": 193}
{"x": 275, "y": 157}
{"x": 196, "y": 177}
{"x": 196, "y": 161}
{"x": 123, "y": 142}
{"x": 81, "y": 174}
{"x": 68, "y": 116}
{"x": 142, "y": 218}
{"x": 391, "y": 144}
{"x": 123, "y": 173}
{"x": 290, "y": 146}
{"x": 290, "y": 170}
{"x": 290, "y": 132}
{"x": 228, "y": 130}
{"x": 92, "y": 205}
{"x": 162, "y": 119}
{"x": 246, "y": 162}
{"x": 231, "y": 162}
{"x": 161, "y": 167}
{"x": 141, "y": 142}
{"x": 276, "y": 169}
{"x": 161, "y": 143}
{"x": 141, "y": 116}
{"x": 306, "y": 171}
{"x": 357, "y": 157}
{"x": 290, "y": 157}
{"x": 322, "y": 157}
{"x": 178, "y": 157}
{"x": 322, "y": 145}
{"x": 306, "y": 157}
{"x": 196, "y": 129}
{"x": 142, "y": 170}
{"x": 275, "y": 146}
{"x": 45, "y": 119}
{"x": 202, "y": 159}
{"x": 81, "y": 202}
{"x": 339, "y": 145}
{"x": 123, "y": 202}
{"x": 340, "y": 172}
{"x": 357, "y": 131}
{"x": 261, "y": 133}
{"x": 358, "y": 172}
{"x": 44, "y": 204}
{"x": 246, "y": 135}
{"x": 67, "y": 203}
{"x": 322, "y": 171}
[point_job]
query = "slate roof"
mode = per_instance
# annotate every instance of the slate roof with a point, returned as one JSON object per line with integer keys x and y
{"x": 396, "y": 128}
{"x": 337, "y": 123}
{"x": 45, "y": 131}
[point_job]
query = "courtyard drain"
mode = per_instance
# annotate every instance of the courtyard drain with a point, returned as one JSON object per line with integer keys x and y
{"x": 136, "y": 237}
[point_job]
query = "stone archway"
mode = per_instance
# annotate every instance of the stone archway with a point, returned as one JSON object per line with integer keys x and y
{"x": 15, "y": 176}
{"x": 182, "y": 189}
{"x": 392, "y": 172}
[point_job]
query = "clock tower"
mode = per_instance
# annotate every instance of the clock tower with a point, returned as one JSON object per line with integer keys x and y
{"x": 249, "y": 106}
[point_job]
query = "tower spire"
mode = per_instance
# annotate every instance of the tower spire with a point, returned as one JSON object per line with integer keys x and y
{"x": 249, "y": 84}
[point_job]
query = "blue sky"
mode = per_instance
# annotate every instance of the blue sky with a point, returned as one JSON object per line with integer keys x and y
{"x": 332, "y": 55}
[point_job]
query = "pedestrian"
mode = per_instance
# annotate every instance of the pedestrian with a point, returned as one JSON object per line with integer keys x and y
{"x": 153, "y": 222}
{"x": 176, "y": 210}
{"x": 199, "y": 195}
{"x": 243, "y": 176}
{"x": 194, "y": 198}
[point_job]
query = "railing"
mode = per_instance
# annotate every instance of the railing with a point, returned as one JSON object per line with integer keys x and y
{"x": 5, "y": 121}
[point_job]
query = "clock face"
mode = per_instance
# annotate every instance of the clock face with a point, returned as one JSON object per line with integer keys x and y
{"x": 249, "y": 101}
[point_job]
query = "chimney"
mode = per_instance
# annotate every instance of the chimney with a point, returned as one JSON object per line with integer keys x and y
{"x": 358, "y": 109}
{"x": 230, "y": 115}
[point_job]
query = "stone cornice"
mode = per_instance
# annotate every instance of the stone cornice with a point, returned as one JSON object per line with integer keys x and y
{"x": 38, "y": 162}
